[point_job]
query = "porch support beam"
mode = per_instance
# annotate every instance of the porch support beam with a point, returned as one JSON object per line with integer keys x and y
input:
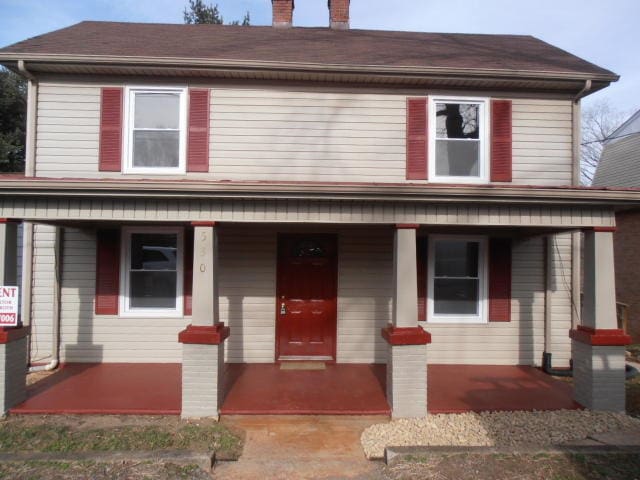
{"x": 203, "y": 341}
{"x": 13, "y": 340}
{"x": 407, "y": 341}
{"x": 597, "y": 344}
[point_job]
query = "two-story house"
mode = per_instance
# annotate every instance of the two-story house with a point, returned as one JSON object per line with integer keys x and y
{"x": 213, "y": 195}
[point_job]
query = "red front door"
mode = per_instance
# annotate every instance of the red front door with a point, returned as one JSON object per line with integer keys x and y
{"x": 306, "y": 296}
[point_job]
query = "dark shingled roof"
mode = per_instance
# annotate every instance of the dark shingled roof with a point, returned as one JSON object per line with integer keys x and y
{"x": 309, "y": 45}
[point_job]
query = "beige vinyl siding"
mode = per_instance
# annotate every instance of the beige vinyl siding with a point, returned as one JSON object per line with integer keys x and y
{"x": 68, "y": 130}
{"x": 248, "y": 292}
{"x": 364, "y": 294}
{"x": 247, "y": 300}
{"x": 302, "y": 136}
{"x": 303, "y": 211}
{"x": 295, "y": 134}
{"x": 42, "y": 292}
{"x": 542, "y": 142}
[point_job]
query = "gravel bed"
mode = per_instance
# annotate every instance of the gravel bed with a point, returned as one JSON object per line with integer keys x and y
{"x": 493, "y": 429}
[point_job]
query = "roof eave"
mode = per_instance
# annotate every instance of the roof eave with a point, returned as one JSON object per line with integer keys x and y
{"x": 39, "y": 62}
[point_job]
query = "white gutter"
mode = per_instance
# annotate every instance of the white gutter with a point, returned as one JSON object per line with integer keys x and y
{"x": 584, "y": 92}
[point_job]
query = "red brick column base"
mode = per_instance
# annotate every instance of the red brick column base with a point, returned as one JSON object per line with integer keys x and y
{"x": 600, "y": 337}
{"x": 204, "y": 335}
{"x": 10, "y": 334}
{"x": 406, "y": 335}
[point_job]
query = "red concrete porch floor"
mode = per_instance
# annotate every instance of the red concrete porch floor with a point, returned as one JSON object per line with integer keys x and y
{"x": 107, "y": 388}
{"x": 344, "y": 389}
{"x": 486, "y": 388}
{"x": 154, "y": 389}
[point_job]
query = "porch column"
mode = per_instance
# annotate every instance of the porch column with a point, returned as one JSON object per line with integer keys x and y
{"x": 597, "y": 344}
{"x": 203, "y": 340}
{"x": 13, "y": 340}
{"x": 407, "y": 351}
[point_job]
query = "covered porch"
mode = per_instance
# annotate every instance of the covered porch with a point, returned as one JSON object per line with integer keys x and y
{"x": 268, "y": 389}
{"x": 233, "y": 296}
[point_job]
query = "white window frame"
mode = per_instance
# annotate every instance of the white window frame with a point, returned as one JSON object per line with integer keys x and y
{"x": 125, "y": 262}
{"x": 483, "y": 271}
{"x": 129, "y": 117}
{"x": 483, "y": 137}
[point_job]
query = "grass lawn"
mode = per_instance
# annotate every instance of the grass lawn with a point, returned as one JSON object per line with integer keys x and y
{"x": 70, "y": 433}
{"x": 100, "y": 471}
{"x": 521, "y": 467}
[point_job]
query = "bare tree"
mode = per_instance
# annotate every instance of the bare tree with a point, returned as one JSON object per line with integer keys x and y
{"x": 599, "y": 121}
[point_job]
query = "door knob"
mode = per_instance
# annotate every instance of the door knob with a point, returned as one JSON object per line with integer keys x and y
{"x": 283, "y": 309}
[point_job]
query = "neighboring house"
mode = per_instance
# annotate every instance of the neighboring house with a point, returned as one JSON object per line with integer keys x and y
{"x": 344, "y": 195}
{"x": 619, "y": 166}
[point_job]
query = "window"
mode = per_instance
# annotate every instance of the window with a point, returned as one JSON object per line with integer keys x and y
{"x": 152, "y": 271}
{"x": 156, "y": 133}
{"x": 457, "y": 279}
{"x": 458, "y": 142}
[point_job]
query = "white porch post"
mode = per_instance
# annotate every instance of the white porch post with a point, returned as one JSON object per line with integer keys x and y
{"x": 407, "y": 351}
{"x": 13, "y": 341}
{"x": 598, "y": 344}
{"x": 203, "y": 340}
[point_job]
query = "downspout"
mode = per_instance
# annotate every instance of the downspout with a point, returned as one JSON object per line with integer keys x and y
{"x": 548, "y": 302}
{"x": 27, "y": 277}
{"x": 575, "y": 251}
{"x": 55, "y": 308}
{"x": 29, "y": 171}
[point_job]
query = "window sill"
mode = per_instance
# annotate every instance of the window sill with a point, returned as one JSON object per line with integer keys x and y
{"x": 460, "y": 180}
{"x": 152, "y": 314}
{"x": 458, "y": 320}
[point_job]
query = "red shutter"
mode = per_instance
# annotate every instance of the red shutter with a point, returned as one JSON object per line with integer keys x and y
{"x": 421, "y": 258}
{"x": 500, "y": 280}
{"x": 188, "y": 270}
{"x": 501, "y": 149}
{"x": 107, "y": 272}
{"x": 198, "y": 138}
{"x": 111, "y": 130}
{"x": 417, "y": 138}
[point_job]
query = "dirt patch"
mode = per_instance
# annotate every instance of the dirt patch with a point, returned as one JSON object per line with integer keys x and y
{"x": 520, "y": 467}
{"x": 83, "y": 433}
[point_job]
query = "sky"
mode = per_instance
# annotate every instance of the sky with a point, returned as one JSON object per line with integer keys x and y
{"x": 605, "y": 32}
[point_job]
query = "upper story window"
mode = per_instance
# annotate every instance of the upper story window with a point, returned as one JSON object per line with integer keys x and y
{"x": 458, "y": 142}
{"x": 155, "y": 136}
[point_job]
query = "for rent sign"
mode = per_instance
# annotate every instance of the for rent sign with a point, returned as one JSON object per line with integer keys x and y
{"x": 8, "y": 306}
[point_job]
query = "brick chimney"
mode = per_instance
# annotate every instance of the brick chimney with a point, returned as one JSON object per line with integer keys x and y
{"x": 339, "y": 14}
{"x": 282, "y": 13}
